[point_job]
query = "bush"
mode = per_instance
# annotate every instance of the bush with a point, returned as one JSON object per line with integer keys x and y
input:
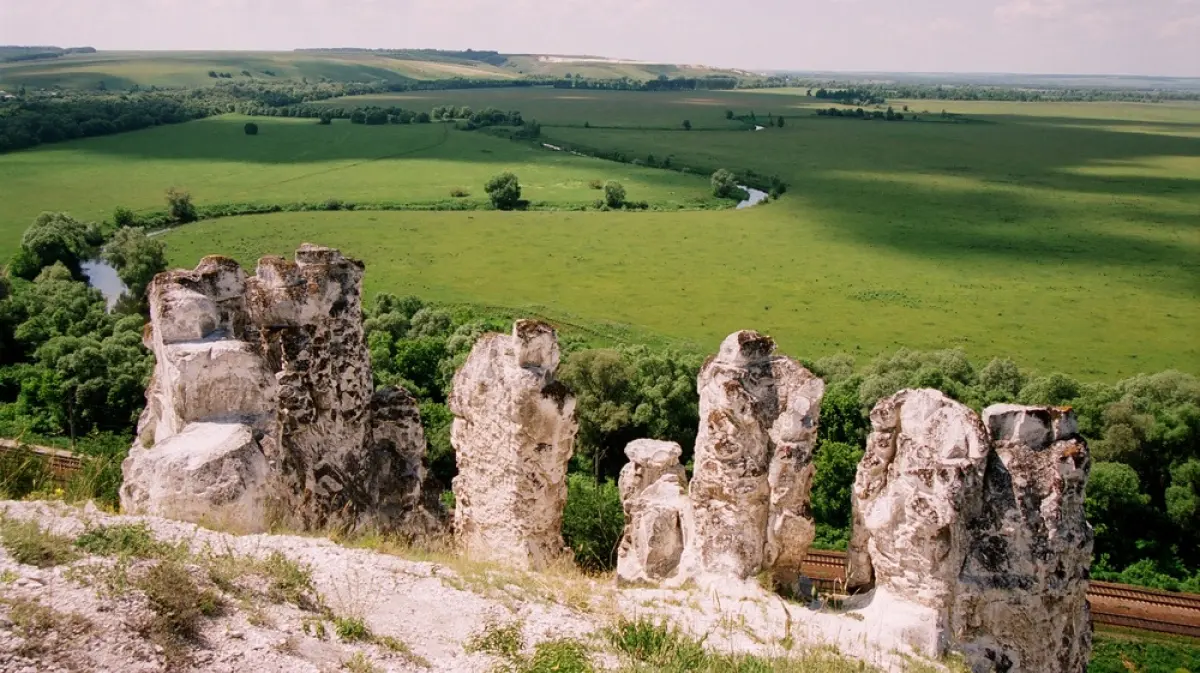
{"x": 127, "y": 539}
{"x": 596, "y": 184}
{"x": 178, "y": 604}
{"x": 593, "y": 522}
{"x": 687, "y": 125}
{"x": 504, "y": 190}
{"x": 325, "y": 119}
{"x": 459, "y": 193}
{"x": 251, "y": 129}
{"x": 725, "y": 186}
{"x": 614, "y": 194}
{"x": 124, "y": 217}
{"x": 180, "y": 207}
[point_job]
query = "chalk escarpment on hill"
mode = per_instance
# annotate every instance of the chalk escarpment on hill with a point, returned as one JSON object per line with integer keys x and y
{"x": 513, "y": 434}
{"x": 261, "y": 403}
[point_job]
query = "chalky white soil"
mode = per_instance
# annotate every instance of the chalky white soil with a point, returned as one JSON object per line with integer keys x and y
{"x": 433, "y": 608}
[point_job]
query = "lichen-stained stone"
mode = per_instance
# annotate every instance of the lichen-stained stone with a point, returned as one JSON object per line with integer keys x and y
{"x": 282, "y": 355}
{"x": 513, "y": 434}
{"x": 918, "y": 487}
{"x": 753, "y": 460}
{"x": 1021, "y": 601}
{"x": 658, "y": 515}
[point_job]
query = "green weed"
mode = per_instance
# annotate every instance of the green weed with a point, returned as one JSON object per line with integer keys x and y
{"x": 136, "y": 540}
{"x": 27, "y": 542}
{"x": 352, "y": 629}
{"x": 500, "y": 639}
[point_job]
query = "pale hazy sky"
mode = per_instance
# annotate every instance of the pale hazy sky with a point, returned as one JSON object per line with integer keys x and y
{"x": 1160, "y": 37}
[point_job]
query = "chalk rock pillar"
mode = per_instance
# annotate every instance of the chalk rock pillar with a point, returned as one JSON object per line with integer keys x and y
{"x": 658, "y": 515}
{"x": 918, "y": 487}
{"x": 261, "y": 402}
{"x": 513, "y": 434}
{"x": 1021, "y": 603}
{"x": 750, "y": 490}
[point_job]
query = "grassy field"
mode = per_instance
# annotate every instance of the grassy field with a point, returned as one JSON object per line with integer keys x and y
{"x": 1126, "y": 651}
{"x": 123, "y": 69}
{"x": 573, "y": 107}
{"x": 1064, "y": 236}
{"x": 298, "y": 160}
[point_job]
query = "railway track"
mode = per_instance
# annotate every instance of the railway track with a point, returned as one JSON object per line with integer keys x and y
{"x": 1112, "y": 604}
{"x": 61, "y": 463}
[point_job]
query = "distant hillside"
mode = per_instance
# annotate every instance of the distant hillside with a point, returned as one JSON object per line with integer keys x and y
{"x": 50, "y": 67}
{"x": 123, "y": 69}
{"x": 11, "y": 53}
{"x": 547, "y": 65}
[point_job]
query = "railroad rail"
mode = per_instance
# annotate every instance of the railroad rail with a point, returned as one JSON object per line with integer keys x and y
{"x": 62, "y": 463}
{"x": 1111, "y": 604}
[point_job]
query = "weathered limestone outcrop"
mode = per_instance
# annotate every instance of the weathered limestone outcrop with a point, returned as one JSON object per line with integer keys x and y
{"x": 750, "y": 488}
{"x": 747, "y": 507}
{"x": 978, "y": 526}
{"x": 262, "y": 398}
{"x": 513, "y": 434}
{"x": 1021, "y": 603}
{"x": 918, "y": 486}
{"x": 658, "y": 515}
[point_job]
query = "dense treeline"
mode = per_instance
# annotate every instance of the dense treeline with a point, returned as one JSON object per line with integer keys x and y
{"x": 664, "y": 83}
{"x": 882, "y": 92}
{"x": 47, "y": 120}
{"x": 40, "y": 117}
{"x": 850, "y": 96}
{"x": 859, "y": 113}
{"x": 13, "y": 54}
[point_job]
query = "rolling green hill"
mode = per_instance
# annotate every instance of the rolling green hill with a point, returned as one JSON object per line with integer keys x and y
{"x": 124, "y": 69}
{"x": 121, "y": 70}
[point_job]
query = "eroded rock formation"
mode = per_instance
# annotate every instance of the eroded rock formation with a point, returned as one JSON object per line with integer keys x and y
{"x": 747, "y": 507}
{"x": 750, "y": 488}
{"x": 918, "y": 486}
{"x": 658, "y": 515}
{"x": 1021, "y": 602}
{"x": 262, "y": 398}
{"x": 513, "y": 434}
{"x": 981, "y": 523}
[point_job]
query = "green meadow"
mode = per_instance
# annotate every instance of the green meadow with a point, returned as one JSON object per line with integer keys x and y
{"x": 298, "y": 160}
{"x": 1065, "y": 236}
